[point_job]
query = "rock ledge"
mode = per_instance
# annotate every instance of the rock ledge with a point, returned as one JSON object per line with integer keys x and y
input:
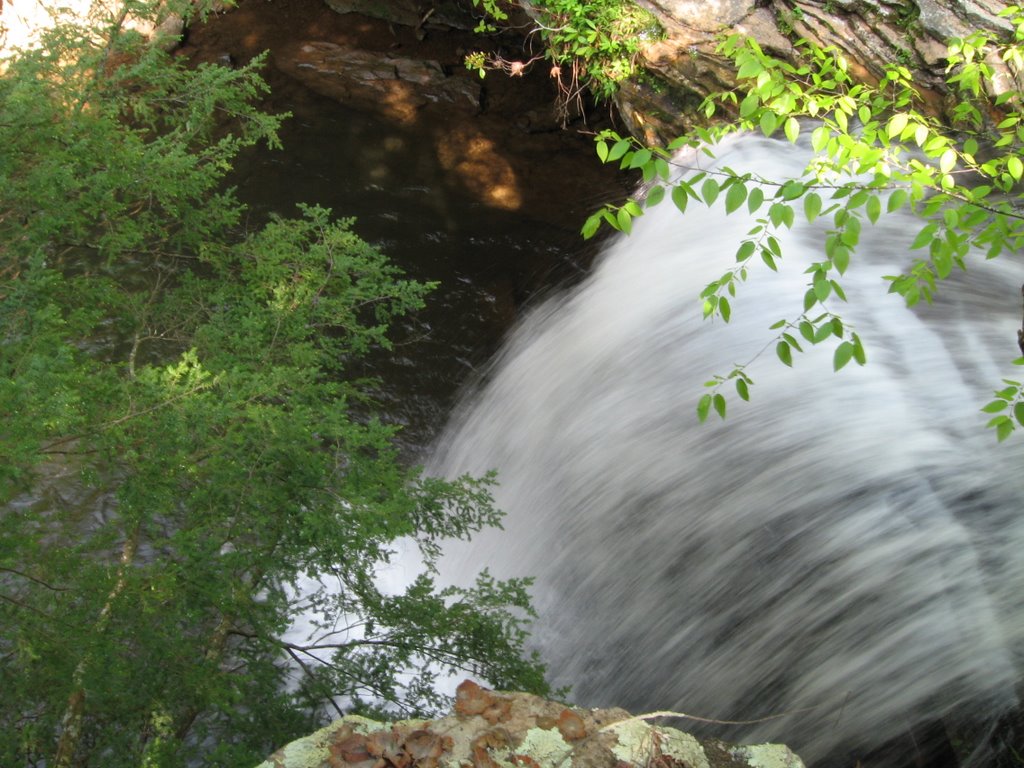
{"x": 516, "y": 730}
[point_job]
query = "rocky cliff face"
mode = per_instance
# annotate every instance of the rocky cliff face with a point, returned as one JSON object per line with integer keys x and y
{"x": 680, "y": 69}
{"x": 683, "y": 67}
{"x": 516, "y": 730}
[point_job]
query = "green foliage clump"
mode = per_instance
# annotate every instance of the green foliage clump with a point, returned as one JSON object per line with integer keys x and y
{"x": 185, "y": 463}
{"x": 877, "y": 149}
{"x": 605, "y": 36}
{"x": 598, "y": 41}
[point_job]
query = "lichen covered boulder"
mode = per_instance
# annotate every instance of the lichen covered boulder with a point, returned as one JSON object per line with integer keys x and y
{"x": 516, "y": 730}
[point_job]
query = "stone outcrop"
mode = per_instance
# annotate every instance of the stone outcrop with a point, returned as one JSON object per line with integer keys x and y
{"x": 683, "y": 68}
{"x": 399, "y": 86}
{"x": 517, "y": 730}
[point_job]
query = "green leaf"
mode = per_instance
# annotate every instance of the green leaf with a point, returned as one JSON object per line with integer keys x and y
{"x": 735, "y": 196}
{"x": 1018, "y": 413}
{"x": 780, "y": 213}
{"x": 602, "y": 150}
{"x": 754, "y": 199}
{"x": 821, "y": 286}
{"x": 920, "y": 134}
{"x": 784, "y": 353}
{"x": 724, "y": 309}
{"x": 792, "y": 129}
{"x": 654, "y": 196}
{"x": 896, "y": 124}
{"x": 718, "y": 402}
{"x": 749, "y": 69}
{"x": 591, "y": 225}
{"x": 709, "y": 191}
{"x": 942, "y": 258}
{"x": 873, "y": 208}
{"x": 746, "y": 250}
{"x": 744, "y": 392}
{"x": 947, "y": 161}
{"x": 624, "y": 220}
{"x": 925, "y": 236}
{"x": 1003, "y": 425}
{"x": 769, "y": 121}
{"x": 703, "y": 407}
{"x": 841, "y": 259}
{"x": 680, "y": 198}
{"x": 1015, "y": 167}
{"x": 749, "y": 106}
{"x": 820, "y": 137}
{"x": 858, "y": 351}
{"x": 995, "y": 406}
{"x": 633, "y": 207}
{"x": 640, "y": 158}
{"x": 792, "y": 189}
{"x": 896, "y": 200}
{"x": 810, "y": 299}
{"x": 838, "y": 290}
{"x": 1004, "y": 429}
{"x": 812, "y": 205}
{"x": 843, "y": 355}
{"x": 619, "y": 149}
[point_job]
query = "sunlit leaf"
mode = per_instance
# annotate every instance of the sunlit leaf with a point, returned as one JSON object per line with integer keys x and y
{"x": 735, "y": 196}
{"x": 792, "y": 129}
{"x": 709, "y": 191}
{"x": 812, "y": 205}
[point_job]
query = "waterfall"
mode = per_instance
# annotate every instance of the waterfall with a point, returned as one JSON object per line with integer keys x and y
{"x": 845, "y": 549}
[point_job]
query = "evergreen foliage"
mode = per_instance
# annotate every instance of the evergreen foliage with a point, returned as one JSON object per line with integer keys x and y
{"x": 185, "y": 465}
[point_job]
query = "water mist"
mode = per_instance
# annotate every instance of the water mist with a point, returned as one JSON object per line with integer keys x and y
{"x": 846, "y": 548}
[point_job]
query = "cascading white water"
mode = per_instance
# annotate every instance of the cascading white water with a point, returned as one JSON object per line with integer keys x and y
{"x": 846, "y": 548}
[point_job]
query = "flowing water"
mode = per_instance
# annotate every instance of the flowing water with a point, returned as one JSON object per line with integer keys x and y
{"x": 846, "y": 548}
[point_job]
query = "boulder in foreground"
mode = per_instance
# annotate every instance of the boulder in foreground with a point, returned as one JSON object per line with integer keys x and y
{"x": 516, "y": 730}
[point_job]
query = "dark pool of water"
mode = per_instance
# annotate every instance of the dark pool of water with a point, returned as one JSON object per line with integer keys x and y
{"x": 488, "y": 262}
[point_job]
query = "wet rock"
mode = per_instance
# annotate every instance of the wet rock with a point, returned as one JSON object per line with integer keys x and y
{"x": 489, "y": 729}
{"x": 410, "y": 13}
{"x": 683, "y": 68}
{"x": 376, "y": 81}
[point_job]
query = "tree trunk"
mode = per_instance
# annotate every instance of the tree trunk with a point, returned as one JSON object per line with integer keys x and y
{"x": 74, "y": 713}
